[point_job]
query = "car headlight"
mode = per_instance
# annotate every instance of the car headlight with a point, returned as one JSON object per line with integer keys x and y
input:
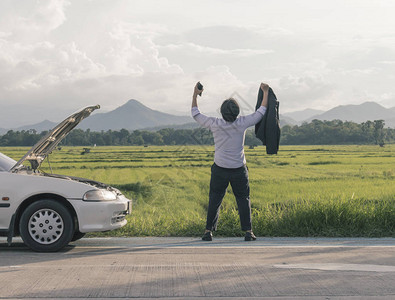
{"x": 99, "y": 195}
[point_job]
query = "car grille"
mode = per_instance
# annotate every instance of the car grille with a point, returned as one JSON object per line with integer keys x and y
{"x": 118, "y": 216}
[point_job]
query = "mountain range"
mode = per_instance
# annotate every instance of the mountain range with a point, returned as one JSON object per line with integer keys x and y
{"x": 356, "y": 113}
{"x": 134, "y": 115}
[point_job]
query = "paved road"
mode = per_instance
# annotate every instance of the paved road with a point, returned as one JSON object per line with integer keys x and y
{"x": 188, "y": 268}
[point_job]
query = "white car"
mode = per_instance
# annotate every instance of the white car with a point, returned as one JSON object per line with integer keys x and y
{"x": 48, "y": 210}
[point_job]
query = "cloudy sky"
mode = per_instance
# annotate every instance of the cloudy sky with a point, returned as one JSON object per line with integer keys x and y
{"x": 57, "y": 56}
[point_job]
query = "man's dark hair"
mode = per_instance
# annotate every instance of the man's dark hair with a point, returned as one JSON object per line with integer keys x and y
{"x": 230, "y": 110}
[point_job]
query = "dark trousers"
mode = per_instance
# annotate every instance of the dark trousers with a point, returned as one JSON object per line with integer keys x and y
{"x": 220, "y": 179}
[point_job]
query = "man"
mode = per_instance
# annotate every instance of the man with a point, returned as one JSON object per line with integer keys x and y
{"x": 229, "y": 159}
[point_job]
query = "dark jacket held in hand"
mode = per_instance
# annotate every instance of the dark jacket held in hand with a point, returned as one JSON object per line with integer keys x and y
{"x": 268, "y": 129}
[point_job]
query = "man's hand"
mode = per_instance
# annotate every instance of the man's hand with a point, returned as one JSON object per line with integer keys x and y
{"x": 197, "y": 91}
{"x": 264, "y": 87}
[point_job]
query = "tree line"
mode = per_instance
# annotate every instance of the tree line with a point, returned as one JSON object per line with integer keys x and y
{"x": 314, "y": 133}
{"x": 338, "y": 132}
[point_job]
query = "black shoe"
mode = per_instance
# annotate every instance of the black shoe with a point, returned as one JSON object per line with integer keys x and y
{"x": 250, "y": 236}
{"x": 208, "y": 236}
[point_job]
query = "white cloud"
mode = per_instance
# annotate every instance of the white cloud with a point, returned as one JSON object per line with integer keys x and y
{"x": 127, "y": 49}
{"x": 48, "y": 16}
{"x": 56, "y": 56}
{"x": 387, "y": 62}
{"x": 27, "y": 20}
{"x": 41, "y": 64}
{"x": 65, "y": 77}
{"x": 199, "y": 50}
{"x": 305, "y": 91}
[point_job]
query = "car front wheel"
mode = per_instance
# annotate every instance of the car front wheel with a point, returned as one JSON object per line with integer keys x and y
{"x": 46, "y": 226}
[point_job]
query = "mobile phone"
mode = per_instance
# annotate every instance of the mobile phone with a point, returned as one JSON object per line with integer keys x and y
{"x": 200, "y": 87}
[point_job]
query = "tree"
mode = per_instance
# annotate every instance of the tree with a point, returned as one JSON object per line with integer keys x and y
{"x": 367, "y": 129}
{"x": 379, "y": 132}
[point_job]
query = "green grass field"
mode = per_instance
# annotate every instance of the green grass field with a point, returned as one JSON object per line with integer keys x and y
{"x": 302, "y": 191}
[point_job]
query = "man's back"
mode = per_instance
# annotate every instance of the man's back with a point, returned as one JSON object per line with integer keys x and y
{"x": 228, "y": 136}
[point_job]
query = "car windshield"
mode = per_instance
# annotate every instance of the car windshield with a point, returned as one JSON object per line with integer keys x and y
{"x": 6, "y": 163}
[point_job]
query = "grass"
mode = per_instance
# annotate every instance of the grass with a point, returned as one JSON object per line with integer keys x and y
{"x": 303, "y": 191}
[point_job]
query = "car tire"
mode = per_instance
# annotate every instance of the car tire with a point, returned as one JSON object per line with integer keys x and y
{"x": 77, "y": 236}
{"x": 46, "y": 226}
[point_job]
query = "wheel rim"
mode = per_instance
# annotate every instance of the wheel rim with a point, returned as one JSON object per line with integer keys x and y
{"x": 45, "y": 226}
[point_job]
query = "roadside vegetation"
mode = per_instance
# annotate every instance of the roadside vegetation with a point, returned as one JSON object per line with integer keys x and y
{"x": 330, "y": 191}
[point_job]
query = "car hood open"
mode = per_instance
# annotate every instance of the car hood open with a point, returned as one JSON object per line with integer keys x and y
{"x": 45, "y": 146}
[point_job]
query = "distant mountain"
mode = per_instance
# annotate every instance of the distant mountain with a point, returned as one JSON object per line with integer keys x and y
{"x": 285, "y": 120}
{"x": 302, "y": 115}
{"x": 358, "y": 113}
{"x": 132, "y": 115}
{"x": 42, "y": 126}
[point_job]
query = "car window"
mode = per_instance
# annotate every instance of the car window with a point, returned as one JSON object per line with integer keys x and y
{"x": 6, "y": 163}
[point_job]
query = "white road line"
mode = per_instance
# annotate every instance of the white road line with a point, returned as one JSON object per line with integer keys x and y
{"x": 338, "y": 267}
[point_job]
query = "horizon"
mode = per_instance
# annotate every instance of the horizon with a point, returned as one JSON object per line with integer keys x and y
{"x": 186, "y": 115}
{"x": 58, "y": 56}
